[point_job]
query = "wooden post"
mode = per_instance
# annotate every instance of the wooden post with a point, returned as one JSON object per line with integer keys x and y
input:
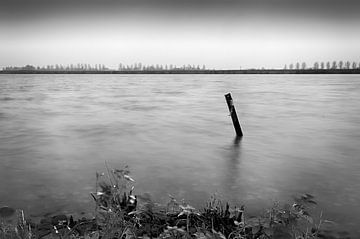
{"x": 233, "y": 115}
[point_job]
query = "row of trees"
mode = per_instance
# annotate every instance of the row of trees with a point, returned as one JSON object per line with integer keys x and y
{"x": 158, "y": 67}
{"x": 59, "y": 67}
{"x": 101, "y": 67}
{"x": 322, "y": 65}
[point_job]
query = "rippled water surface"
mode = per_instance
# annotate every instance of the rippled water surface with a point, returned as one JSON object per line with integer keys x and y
{"x": 302, "y": 135}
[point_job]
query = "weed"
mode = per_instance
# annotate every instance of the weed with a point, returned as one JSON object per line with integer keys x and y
{"x": 117, "y": 215}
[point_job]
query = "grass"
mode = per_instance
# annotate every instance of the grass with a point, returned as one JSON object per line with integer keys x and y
{"x": 117, "y": 214}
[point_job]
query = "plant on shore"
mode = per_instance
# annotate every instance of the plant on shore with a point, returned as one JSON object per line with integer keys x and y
{"x": 118, "y": 215}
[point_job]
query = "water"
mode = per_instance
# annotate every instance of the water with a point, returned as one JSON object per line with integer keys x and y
{"x": 301, "y": 136}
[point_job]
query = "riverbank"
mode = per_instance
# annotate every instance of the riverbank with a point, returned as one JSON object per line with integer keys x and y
{"x": 119, "y": 214}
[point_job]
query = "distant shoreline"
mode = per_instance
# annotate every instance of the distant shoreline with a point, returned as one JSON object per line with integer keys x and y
{"x": 250, "y": 71}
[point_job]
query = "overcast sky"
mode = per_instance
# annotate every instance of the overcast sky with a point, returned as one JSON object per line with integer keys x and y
{"x": 217, "y": 33}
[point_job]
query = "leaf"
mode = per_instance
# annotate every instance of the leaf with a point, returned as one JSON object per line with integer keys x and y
{"x": 171, "y": 228}
{"x": 181, "y": 213}
{"x": 328, "y": 221}
{"x": 309, "y": 196}
{"x": 134, "y": 212}
{"x": 127, "y": 177}
{"x": 217, "y": 235}
{"x": 238, "y": 223}
{"x": 311, "y": 201}
{"x": 187, "y": 207}
{"x": 200, "y": 235}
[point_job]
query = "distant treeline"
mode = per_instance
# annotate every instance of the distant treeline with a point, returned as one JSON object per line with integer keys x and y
{"x": 101, "y": 67}
{"x": 324, "y": 65}
{"x": 58, "y": 67}
{"x": 334, "y": 67}
{"x": 249, "y": 71}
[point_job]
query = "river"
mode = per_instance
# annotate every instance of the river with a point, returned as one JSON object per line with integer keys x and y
{"x": 301, "y": 135}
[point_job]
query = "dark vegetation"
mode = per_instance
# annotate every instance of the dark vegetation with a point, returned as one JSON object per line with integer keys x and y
{"x": 119, "y": 215}
{"x": 249, "y": 71}
{"x": 334, "y": 67}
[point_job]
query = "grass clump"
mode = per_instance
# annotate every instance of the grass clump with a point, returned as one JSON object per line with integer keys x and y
{"x": 119, "y": 215}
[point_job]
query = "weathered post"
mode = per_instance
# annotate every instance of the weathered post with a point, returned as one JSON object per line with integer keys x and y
{"x": 233, "y": 115}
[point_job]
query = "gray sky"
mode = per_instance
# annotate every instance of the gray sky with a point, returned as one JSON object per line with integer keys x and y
{"x": 218, "y": 33}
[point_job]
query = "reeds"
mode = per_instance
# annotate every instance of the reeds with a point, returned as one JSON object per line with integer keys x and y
{"x": 118, "y": 215}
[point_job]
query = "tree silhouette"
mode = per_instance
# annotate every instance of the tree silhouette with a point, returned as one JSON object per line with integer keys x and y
{"x": 341, "y": 63}
{"x": 322, "y": 65}
{"x": 354, "y": 65}
{"x": 347, "y": 65}
{"x": 303, "y": 66}
{"x": 334, "y": 65}
{"x": 297, "y": 65}
{"x": 291, "y": 66}
{"x": 316, "y": 65}
{"x": 328, "y": 65}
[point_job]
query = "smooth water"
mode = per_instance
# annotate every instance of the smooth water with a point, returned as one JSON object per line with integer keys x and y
{"x": 301, "y": 135}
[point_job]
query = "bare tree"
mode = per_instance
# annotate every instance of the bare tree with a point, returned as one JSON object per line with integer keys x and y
{"x": 322, "y": 65}
{"x": 291, "y": 66}
{"x": 297, "y": 65}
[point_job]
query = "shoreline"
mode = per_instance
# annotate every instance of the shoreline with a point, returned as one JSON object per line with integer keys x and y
{"x": 170, "y": 72}
{"x": 119, "y": 215}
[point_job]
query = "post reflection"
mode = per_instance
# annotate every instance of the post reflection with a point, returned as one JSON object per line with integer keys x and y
{"x": 231, "y": 156}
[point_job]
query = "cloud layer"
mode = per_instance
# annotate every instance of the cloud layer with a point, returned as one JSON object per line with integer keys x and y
{"x": 219, "y": 33}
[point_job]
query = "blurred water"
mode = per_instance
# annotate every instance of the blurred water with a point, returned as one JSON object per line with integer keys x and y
{"x": 301, "y": 136}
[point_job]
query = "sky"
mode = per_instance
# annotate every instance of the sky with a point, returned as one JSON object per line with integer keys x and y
{"x": 222, "y": 34}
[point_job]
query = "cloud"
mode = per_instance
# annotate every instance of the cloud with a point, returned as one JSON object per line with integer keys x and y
{"x": 28, "y": 9}
{"x": 216, "y": 32}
